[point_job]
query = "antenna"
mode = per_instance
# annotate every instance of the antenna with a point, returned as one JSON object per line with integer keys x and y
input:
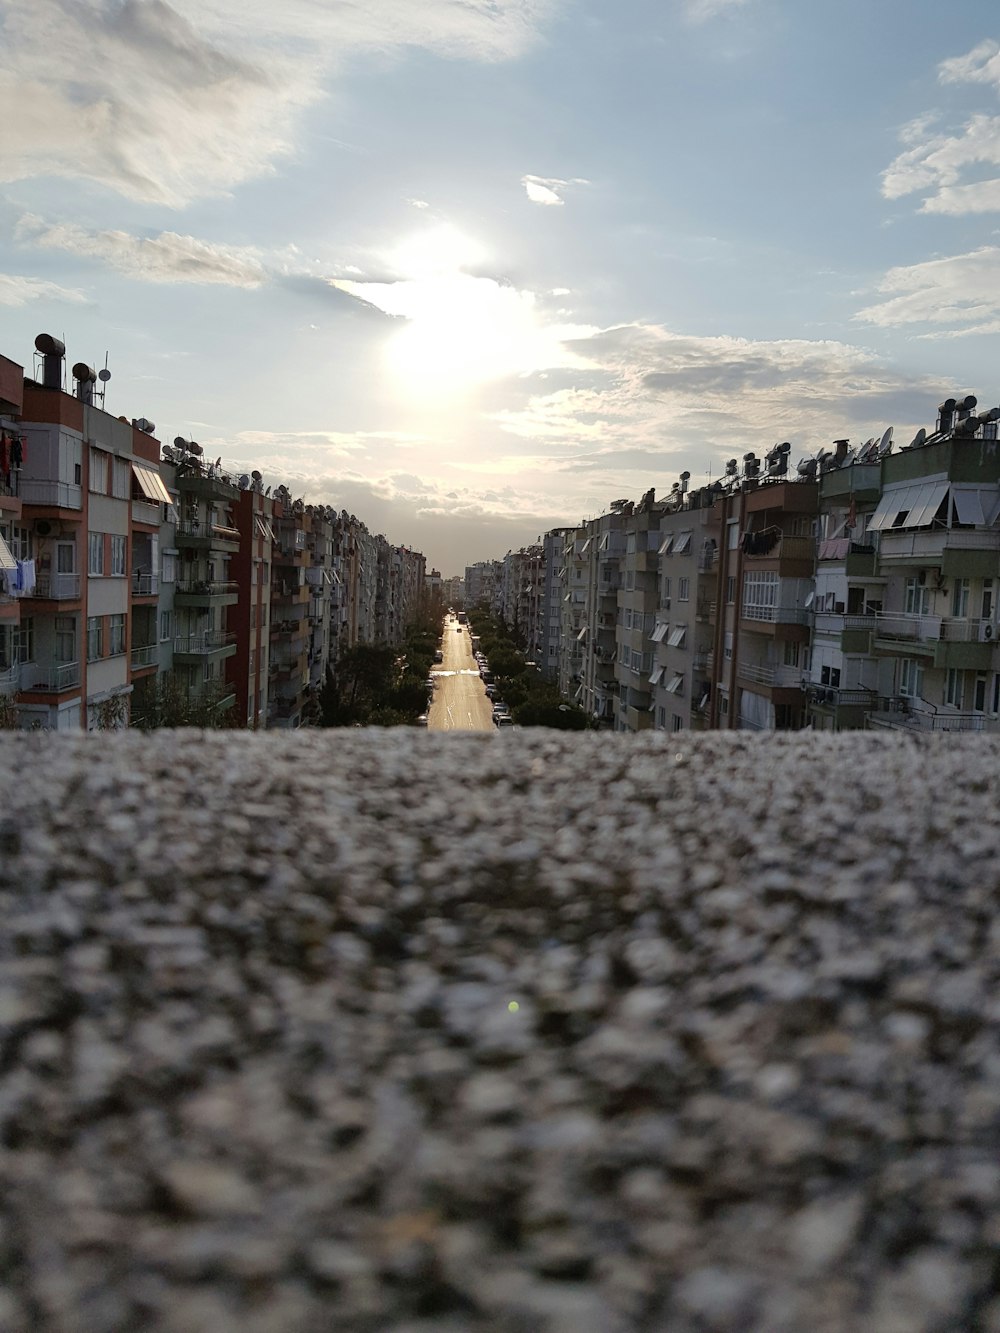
{"x": 103, "y": 375}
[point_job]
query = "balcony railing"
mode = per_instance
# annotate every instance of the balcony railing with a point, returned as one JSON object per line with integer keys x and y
{"x": 202, "y": 588}
{"x": 145, "y": 512}
{"x": 144, "y": 585}
{"x": 930, "y": 544}
{"x": 777, "y": 615}
{"x": 10, "y": 679}
{"x": 934, "y": 629}
{"x": 57, "y": 587}
{"x": 145, "y": 655}
{"x": 899, "y": 713}
{"x": 63, "y": 676}
{"x": 763, "y": 673}
{"x": 208, "y": 641}
{"x": 9, "y": 483}
{"x": 787, "y": 547}
{"x": 59, "y": 493}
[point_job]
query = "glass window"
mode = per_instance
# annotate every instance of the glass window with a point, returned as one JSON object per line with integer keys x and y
{"x": 116, "y": 637}
{"x": 918, "y": 598}
{"x": 911, "y": 678}
{"x": 121, "y": 478}
{"x": 731, "y": 588}
{"x": 95, "y": 553}
{"x": 98, "y": 471}
{"x": 676, "y": 723}
{"x": 960, "y": 597}
{"x": 24, "y": 640}
{"x": 954, "y": 690}
{"x": 66, "y": 558}
{"x": 168, "y": 568}
{"x": 683, "y": 589}
{"x": 118, "y": 557}
{"x": 95, "y": 638}
{"x": 166, "y": 625}
{"x": 65, "y": 638}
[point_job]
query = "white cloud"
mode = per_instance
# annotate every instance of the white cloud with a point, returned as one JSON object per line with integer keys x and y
{"x": 959, "y": 290}
{"x": 942, "y": 162}
{"x": 700, "y": 11}
{"x": 167, "y": 257}
{"x": 545, "y": 190}
{"x": 164, "y": 103}
{"x": 18, "y": 291}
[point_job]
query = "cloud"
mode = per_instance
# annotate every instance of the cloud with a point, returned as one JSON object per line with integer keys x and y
{"x": 939, "y": 162}
{"x": 700, "y": 11}
{"x": 959, "y": 290}
{"x": 164, "y": 103}
{"x": 168, "y": 257}
{"x": 18, "y": 291}
{"x": 545, "y": 189}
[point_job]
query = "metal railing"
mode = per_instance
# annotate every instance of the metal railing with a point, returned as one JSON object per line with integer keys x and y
{"x": 777, "y": 615}
{"x": 762, "y": 673}
{"x": 950, "y": 629}
{"x": 144, "y": 655}
{"x": 57, "y": 587}
{"x": 208, "y": 641}
{"x": 900, "y": 713}
{"x": 63, "y": 676}
{"x": 144, "y": 585}
{"x": 205, "y": 588}
{"x": 930, "y": 544}
{"x": 144, "y": 511}
{"x": 10, "y": 679}
{"x": 791, "y": 547}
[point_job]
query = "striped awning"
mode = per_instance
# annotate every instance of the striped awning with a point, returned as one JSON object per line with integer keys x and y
{"x": 151, "y": 484}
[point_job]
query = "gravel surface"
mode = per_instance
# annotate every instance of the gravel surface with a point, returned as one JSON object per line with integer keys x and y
{"x": 401, "y": 1031}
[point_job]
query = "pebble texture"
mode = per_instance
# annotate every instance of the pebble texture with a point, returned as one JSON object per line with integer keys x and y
{"x": 532, "y": 1033}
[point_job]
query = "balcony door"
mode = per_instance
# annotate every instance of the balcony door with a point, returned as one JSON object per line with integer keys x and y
{"x": 65, "y": 557}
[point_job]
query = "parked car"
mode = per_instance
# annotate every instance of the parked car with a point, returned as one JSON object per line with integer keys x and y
{"x": 491, "y": 690}
{"x": 438, "y": 655}
{"x": 422, "y": 720}
{"x": 504, "y": 721}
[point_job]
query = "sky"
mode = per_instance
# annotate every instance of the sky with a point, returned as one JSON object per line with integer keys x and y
{"x": 474, "y": 269}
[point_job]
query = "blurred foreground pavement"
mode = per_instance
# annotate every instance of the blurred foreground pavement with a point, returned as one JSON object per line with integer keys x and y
{"x": 388, "y": 1030}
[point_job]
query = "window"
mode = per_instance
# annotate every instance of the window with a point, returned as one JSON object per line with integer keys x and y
{"x": 95, "y": 553}
{"x": 666, "y": 544}
{"x": 760, "y": 594}
{"x": 118, "y": 557}
{"x": 166, "y": 626}
{"x": 65, "y": 557}
{"x": 727, "y": 651}
{"x": 121, "y": 478}
{"x": 661, "y": 718}
{"x": 676, "y": 723}
{"x": 979, "y": 695}
{"x": 65, "y": 627}
{"x": 630, "y": 580}
{"x": 98, "y": 472}
{"x": 168, "y": 567}
{"x": 954, "y": 691}
{"x": 730, "y": 589}
{"x": 683, "y": 589}
{"x": 116, "y": 636}
{"x": 733, "y": 534}
{"x": 95, "y": 638}
{"x": 987, "y": 611}
{"x": 960, "y": 598}
{"x": 918, "y": 598}
{"x": 19, "y": 541}
{"x": 723, "y": 705}
{"x": 666, "y": 593}
{"x": 911, "y": 678}
{"x": 24, "y": 640}
{"x": 791, "y": 653}
{"x": 683, "y": 543}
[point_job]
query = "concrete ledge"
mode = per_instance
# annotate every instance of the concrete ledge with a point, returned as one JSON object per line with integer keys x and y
{"x": 379, "y": 1030}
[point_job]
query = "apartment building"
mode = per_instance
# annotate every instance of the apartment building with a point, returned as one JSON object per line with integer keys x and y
{"x": 11, "y": 457}
{"x": 248, "y": 668}
{"x": 682, "y": 637}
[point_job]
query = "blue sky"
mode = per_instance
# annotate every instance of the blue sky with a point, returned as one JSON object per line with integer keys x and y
{"x": 475, "y": 268}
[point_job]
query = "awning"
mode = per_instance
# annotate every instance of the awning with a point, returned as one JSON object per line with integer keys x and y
{"x": 151, "y": 484}
{"x": 908, "y": 507}
{"x": 968, "y": 507}
{"x": 683, "y": 543}
{"x": 677, "y": 637}
{"x": 675, "y": 683}
{"x": 659, "y": 633}
{"x": 655, "y": 677}
{"x": 583, "y": 634}
{"x": 7, "y": 561}
{"x": 666, "y": 544}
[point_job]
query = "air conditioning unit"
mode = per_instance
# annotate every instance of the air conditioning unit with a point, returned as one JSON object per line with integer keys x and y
{"x": 987, "y": 632}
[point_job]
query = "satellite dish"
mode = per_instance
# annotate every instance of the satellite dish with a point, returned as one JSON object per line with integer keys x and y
{"x": 244, "y": 482}
{"x": 915, "y": 443}
{"x": 885, "y": 442}
{"x": 104, "y": 375}
{"x": 256, "y": 475}
{"x": 806, "y": 467}
{"x": 850, "y": 457}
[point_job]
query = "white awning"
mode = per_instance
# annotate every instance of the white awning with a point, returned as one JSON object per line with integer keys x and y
{"x": 582, "y": 635}
{"x": 968, "y": 506}
{"x": 659, "y": 633}
{"x": 675, "y": 683}
{"x": 656, "y": 676}
{"x": 908, "y": 506}
{"x": 683, "y": 543}
{"x": 677, "y": 636}
{"x": 151, "y": 484}
{"x": 7, "y": 560}
{"x": 666, "y": 544}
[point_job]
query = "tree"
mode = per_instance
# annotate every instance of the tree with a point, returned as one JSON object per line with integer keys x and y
{"x": 169, "y": 703}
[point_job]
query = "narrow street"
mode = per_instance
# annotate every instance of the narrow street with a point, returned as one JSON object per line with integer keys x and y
{"x": 460, "y": 699}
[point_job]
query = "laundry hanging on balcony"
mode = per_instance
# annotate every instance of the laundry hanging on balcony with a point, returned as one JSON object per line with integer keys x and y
{"x": 761, "y": 543}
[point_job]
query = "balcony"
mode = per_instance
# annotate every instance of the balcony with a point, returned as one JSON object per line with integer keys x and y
{"x": 145, "y": 655}
{"x": 50, "y": 679}
{"x": 207, "y": 643}
{"x": 786, "y": 547}
{"x": 145, "y": 585}
{"x": 763, "y": 673}
{"x": 832, "y": 697}
{"x": 54, "y": 494}
{"x": 145, "y": 512}
{"x": 929, "y": 545}
{"x": 777, "y": 615}
{"x": 197, "y": 592}
{"x": 196, "y": 535}
{"x": 9, "y": 486}
{"x": 57, "y": 587}
{"x": 10, "y": 679}
{"x": 900, "y": 713}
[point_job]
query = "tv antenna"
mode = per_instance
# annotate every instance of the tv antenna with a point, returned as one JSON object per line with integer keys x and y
{"x": 103, "y": 375}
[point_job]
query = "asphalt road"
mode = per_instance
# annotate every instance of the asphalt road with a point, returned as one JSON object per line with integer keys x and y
{"x": 460, "y": 699}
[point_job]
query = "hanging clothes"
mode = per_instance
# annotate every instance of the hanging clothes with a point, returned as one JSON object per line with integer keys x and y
{"x": 18, "y": 449}
{"x": 5, "y": 454}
